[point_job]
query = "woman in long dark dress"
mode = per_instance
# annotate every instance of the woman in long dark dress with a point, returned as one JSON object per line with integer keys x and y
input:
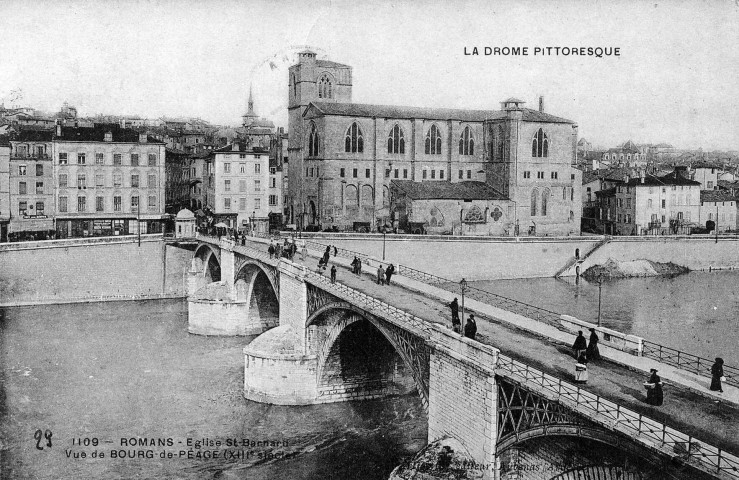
{"x": 592, "y": 352}
{"x": 717, "y": 371}
{"x": 655, "y": 396}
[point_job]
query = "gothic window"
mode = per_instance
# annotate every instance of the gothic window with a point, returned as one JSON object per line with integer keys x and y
{"x": 544, "y": 201}
{"x": 354, "y": 142}
{"x": 295, "y": 87}
{"x": 534, "y": 197}
{"x": 396, "y": 140}
{"x": 313, "y": 141}
{"x": 540, "y": 145}
{"x": 497, "y": 213}
{"x": 474, "y": 215}
{"x": 433, "y": 141}
{"x": 466, "y": 142}
{"x": 501, "y": 144}
{"x": 324, "y": 87}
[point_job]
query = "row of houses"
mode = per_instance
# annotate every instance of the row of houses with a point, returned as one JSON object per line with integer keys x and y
{"x": 634, "y": 202}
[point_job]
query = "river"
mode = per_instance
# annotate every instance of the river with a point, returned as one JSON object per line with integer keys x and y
{"x": 114, "y": 373}
{"x": 696, "y": 312}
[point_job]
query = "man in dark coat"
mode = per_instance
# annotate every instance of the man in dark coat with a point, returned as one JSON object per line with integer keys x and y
{"x": 333, "y": 274}
{"x": 655, "y": 396}
{"x": 455, "y": 315}
{"x": 580, "y": 344}
{"x": 389, "y": 273}
{"x": 470, "y": 328}
{"x": 593, "y": 353}
{"x": 717, "y": 371}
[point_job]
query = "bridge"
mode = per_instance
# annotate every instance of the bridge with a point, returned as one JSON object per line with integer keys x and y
{"x": 322, "y": 342}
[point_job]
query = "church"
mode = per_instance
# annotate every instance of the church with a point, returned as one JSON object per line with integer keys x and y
{"x": 425, "y": 170}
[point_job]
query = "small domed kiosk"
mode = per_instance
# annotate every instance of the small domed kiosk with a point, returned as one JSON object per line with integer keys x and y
{"x": 185, "y": 224}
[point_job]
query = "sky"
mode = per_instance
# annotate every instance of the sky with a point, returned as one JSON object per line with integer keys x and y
{"x": 676, "y": 79}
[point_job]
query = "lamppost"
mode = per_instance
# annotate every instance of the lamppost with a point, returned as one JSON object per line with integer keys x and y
{"x": 463, "y": 288}
{"x": 138, "y": 220}
{"x": 600, "y": 289}
{"x": 716, "y": 226}
{"x": 253, "y": 222}
{"x": 383, "y": 243}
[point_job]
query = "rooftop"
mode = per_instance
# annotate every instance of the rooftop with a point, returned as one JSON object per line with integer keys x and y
{"x": 469, "y": 190}
{"x": 716, "y": 196}
{"x": 396, "y": 111}
{"x": 97, "y": 134}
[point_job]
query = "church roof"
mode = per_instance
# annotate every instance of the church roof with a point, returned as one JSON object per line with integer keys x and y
{"x": 330, "y": 64}
{"x": 469, "y": 190}
{"x": 396, "y": 111}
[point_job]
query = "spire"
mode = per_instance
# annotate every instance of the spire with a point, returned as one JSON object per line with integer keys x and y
{"x": 249, "y": 117}
{"x": 251, "y": 101}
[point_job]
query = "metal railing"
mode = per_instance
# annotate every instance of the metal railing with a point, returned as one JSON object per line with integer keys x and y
{"x": 639, "y": 427}
{"x": 687, "y": 361}
{"x": 521, "y": 308}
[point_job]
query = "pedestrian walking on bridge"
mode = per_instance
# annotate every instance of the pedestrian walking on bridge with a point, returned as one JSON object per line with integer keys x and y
{"x": 580, "y": 345}
{"x": 655, "y": 396}
{"x": 581, "y": 369}
{"x": 333, "y": 273}
{"x": 456, "y": 324}
{"x": 717, "y": 375}
{"x": 271, "y": 250}
{"x": 470, "y": 328}
{"x": 380, "y": 275}
{"x": 389, "y": 273}
{"x": 592, "y": 352}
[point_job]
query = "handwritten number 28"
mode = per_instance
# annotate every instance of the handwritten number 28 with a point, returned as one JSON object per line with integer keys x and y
{"x": 39, "y": 435}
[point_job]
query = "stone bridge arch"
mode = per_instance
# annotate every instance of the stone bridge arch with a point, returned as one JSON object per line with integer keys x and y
{"x": 259, "y": 288}
{"x": 335, "y": 323}
{"x": 211, "y": 259}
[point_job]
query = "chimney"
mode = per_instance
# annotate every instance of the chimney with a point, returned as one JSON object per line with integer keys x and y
{"x": 58, "y": 128}
{"x": 642, "y": 175}
{"x": 541, "y": 104}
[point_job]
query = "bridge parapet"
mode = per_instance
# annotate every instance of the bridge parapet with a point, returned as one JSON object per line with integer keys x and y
{"x": 643, "y": 430}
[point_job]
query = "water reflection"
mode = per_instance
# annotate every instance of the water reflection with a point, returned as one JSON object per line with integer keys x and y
{"x": 695, "y": 312}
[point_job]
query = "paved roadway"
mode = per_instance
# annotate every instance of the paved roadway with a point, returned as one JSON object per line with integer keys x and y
{"x": 703, "y": 417}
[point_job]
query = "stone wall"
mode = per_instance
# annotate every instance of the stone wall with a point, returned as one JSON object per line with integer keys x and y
{"x": 471, "y": 258}
{"x": 696, "y": 253}
{"x": 75, "y": 270}
{"x": 462, "y": 404}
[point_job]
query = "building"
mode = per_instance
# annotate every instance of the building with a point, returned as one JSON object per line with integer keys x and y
{"x": 4, "y": 187}
{"x": 718, "y": 210}
{"x": 31, "y": 185}
{"x": 651, "y": 205}
{"x": 238, "y": 187}
{"x": 177, "y": 169}
{"x": 707, "y": 174}
{"x": 344, "y": 155}
{"x": 628, "y": 155}
{"x": 110, "y": 181}
{"x": 460, "y": 208}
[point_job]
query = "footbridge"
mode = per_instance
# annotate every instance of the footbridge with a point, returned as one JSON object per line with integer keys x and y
{"x": 322, "y": 342}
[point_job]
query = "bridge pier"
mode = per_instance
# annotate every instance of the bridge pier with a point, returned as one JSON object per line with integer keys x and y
{"x": 228, "y": 307}
{"x": 463, "y": 405}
